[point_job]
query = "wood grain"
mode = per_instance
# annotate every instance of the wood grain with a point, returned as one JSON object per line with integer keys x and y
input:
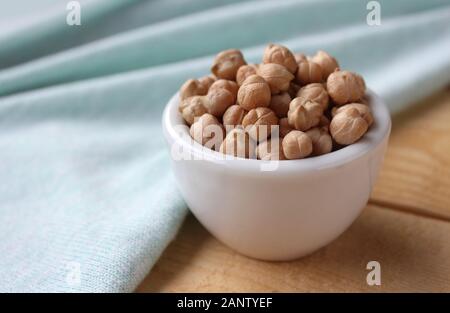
{"x": 413, "y": 253}
{"x": 416, "y": 171}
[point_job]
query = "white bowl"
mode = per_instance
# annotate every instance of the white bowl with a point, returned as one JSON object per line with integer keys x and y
{"x": 283, "y": 213}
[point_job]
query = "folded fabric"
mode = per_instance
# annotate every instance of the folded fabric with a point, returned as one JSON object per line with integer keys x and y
{"x": 87, "y": 198}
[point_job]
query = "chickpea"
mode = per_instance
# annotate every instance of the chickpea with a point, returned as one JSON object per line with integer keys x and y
{"x": 297, "y": 145}
{"x": 348, "y": 126}
{"x": 215, "y": 102}
{"x": 238, "y": 143}
{"x": 244, "y": 72}
{"x": 207, "y": 131}
{"x": 309, "y": 72}
{"x": 277, "y": 76}
{"x": 254, "y": 92}
{"x": 363, "y": 109}
{"x": 315, "y": 92}
{"x": 192, "y": 107}
{"x": 345, "y": 87}
{"x": 227, "y": 63}
{"x": 233, "y": 116}
{"x": 270, "y": 150}
{"x": 229, "y": 85}
{"x": 321, "y": 140}
{"x": 303, "y": 115}
{"x": 326, "y": 62}
{"x": 280, "y": 55}
{"x": 207, "y": 81}
{"x": 258, "y": 123}
{"x": 192, "y": 87}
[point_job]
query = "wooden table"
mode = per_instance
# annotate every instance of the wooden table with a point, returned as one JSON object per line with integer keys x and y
{"x": 405, "y": 227}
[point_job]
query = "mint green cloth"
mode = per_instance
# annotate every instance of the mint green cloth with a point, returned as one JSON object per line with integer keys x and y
{"x": 87, "y": 198}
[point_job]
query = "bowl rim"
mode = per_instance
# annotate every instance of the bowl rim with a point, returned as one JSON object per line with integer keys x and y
{"x": 176, "y": 131}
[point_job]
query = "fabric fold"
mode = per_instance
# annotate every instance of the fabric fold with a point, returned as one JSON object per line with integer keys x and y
{"x": 203, "y": 33}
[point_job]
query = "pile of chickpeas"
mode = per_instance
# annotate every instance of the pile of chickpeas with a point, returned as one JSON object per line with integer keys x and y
{"x": 290, "y": 106}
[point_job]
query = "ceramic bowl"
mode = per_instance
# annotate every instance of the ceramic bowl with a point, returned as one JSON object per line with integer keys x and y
{"x": 277, "y": 211}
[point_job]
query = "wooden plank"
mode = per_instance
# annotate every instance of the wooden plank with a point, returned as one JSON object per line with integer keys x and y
{"x": 413, "y": 252}
{"x": 416, "y": 171}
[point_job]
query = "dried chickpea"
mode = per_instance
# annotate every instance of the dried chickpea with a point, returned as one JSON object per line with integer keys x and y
{"x": 321, "y": 140}
{"x": 192, "y": 107}
{"x": 285, "y": 128}
{"x": 229, "y": 85}
{"x": 258, "y": 123}
{"x": 233, "y": 116}
{"x": 215, "y": 102}
{"x": 303, "y": 115}
{"x": 207, "y": 131}
{"x": 244, "y": 72}
{"x": 219, "y": 101}
{"x": 309, "y": 72}
{"x": 276, "y": 75}
{"x": 297, "y": 145}
{"x": 348, "y": 126}
{"x": 192, "y": 87}
{"x": 270, "y": 150}
{"x": 238, "y": 143}
{"x": 207, "y": 81}
{"x": 254, "y": 92}
{"x": 315, "y": 92}
{"x": 280, "y": 55}
{"x": 227, "y": 63}
{"x": 326, "y": 62}
{"x": 299, "y": 57}
{"x": 280, "y": 104}
{"x": 363, "y": 109}
{"x": 345, "y": 87}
